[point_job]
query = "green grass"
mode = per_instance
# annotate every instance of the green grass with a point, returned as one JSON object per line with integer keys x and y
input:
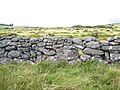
{"x": 103, "y": 33}
{"x": 60, "y": 76}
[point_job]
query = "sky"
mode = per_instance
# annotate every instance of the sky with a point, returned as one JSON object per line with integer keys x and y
{"x": 53, "y": 13}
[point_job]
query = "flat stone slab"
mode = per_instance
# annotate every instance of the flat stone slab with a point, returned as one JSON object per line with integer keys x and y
{"x": 93, "y": 45}
{"x": 93, "y": 51}
{"x": 113, "y": 48}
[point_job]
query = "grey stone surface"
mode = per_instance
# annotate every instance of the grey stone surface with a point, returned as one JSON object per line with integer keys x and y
{"x": 113, "y": 48}
{"x": 97, "y": 58}
{"x": 89, "y": 38}
{"x": 77, "y": 41}
{"x": 14, "y": 48}
{"x": 2, "y": 51}
{"x": 117, "y": 41}
{"x": 93, "y": 44}
{"x": 85, "y": 57}
{"x": 14, "y": 54}
{"x": 79, "y": 46}
{"x": 107, "y": 55}
{"x": 90, "y": 51}
{"x": 114, "y": 57}
{"x": 52, "y": 58}
{"x": 10, "y": 48}
{"x": 104, "y": 42}
{"x": 4, "y": 43}
{"x": 111, "y": 39}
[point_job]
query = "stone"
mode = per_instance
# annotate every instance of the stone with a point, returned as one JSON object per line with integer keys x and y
{"x": 93, "y": 45}
{"x": 48, "y": 44}
{"x": 9, "y": 48}
{"x": 114, "y": 57}
{"x": 48, "y": 47}
{"x": 4, "y": 43}
{"x": 67, "y": 54}
{"x": 34, "y": 40}
{"x": 15, "y": 39}
{"x": 2, "y": 51}
{"x": 25, "y": 56}
{"x": 60, "y": 41}
{"x": 2, "y": 55}
{"x": 96, "y": 57}
{"x": 117, "y": 41}
{"x": 32, "y": 53}
{"x": 41, "y": 58}
{"x": 45, "y": 51}
{"x": 93, "y": 51}
{"x": 89, "y": 38}
{"x": 113, "y": 43}
{"x": 50, "y": 52}
{"x": 24, "y": 49}
{"x": 14, "y": 54}
{"x": 41, "y": 44}
{"x": 73, "y": 52}
{"x": 72, "y": 62}
{"x": 57, "y": 45}
{"x": 111, "y": 39}
{"x": 25, "y": 44}
{"x": 104, "y": 42}
{"x": 18, "y": 60}
{"x": 13, "y": 43}
{"x": 34, "y": 46}
{"x": 79, "y": 46}
{"x": 107, "y": 55}
{"x": 67, "y": 44}
{"x": 113, "y": 48}
{"x": 52, "y": 59}
{"x": 77, "y": 41}
{"x": 79, "y": 60}
{"x": 85, "y": 57}
{"x": 38, "y": 53}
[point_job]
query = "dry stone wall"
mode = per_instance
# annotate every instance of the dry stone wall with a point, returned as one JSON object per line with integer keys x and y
{"x": 26, "y": 49}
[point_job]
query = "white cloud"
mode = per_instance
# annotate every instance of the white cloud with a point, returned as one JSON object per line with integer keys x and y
{"x": 58, "y": 12}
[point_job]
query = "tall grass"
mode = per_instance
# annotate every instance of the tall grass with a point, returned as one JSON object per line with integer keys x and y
{"x": 60, "y": 76}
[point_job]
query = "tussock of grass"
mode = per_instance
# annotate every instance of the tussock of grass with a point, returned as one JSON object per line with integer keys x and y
{"x": 60, "y": 76}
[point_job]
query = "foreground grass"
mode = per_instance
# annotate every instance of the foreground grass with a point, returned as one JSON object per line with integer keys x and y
{"x": 60, "y": 76}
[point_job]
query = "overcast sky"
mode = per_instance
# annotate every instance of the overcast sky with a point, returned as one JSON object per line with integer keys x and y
{"x": 59, "y": 12}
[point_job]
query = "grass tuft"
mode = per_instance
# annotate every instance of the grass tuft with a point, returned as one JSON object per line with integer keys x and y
{"x": 60, "y": 76}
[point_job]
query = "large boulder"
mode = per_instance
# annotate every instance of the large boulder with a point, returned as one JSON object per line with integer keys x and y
{"x": 67, "y": 54}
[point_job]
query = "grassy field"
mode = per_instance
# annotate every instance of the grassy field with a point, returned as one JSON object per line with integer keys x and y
{"x": 102, "y": 33}
{"x": 60, "y": 76}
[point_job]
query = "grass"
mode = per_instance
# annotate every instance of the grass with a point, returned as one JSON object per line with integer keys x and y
{"x": 103, "y": 33}
{"x": 60, "y": 76}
